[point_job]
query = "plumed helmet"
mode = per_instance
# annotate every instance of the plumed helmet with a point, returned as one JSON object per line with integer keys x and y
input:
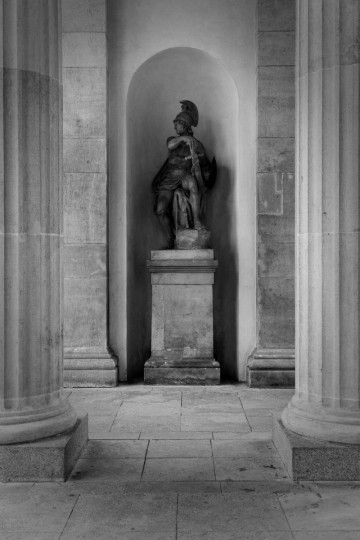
{"x": 189, "y": 113}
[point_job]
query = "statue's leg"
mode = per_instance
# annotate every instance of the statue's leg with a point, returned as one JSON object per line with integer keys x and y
{"x": 189, "y": 183}
{"x": 163, "y": 209}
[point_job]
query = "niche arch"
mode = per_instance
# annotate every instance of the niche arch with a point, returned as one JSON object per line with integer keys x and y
{"x": 153, "y": 98}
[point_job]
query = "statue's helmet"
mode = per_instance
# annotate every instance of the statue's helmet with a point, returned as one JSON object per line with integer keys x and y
{"x": 189, "y": 114}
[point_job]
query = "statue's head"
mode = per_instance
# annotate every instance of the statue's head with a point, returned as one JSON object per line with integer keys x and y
{"x": 182, "y": 127}
{"x": 188, "y": 116}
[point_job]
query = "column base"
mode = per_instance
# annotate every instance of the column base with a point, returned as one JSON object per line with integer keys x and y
{"x": 337, "y": 425}
{"x": 311, "y": 459}
{"x": 182, "y": 371}
{"x": 89, "y": 368}
{"x": 50, "y": 459}
{"x": 271, "y": 368}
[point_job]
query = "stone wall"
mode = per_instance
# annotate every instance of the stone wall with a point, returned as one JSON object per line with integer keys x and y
{"x": 276, "y": 182}
{"x": 100, "y": 275}
{"x": 85, "y": 193}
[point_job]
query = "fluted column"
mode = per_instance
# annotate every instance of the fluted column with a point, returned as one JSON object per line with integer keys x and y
{"x": 326, "y": 402}
{"x": 31, "y": 401}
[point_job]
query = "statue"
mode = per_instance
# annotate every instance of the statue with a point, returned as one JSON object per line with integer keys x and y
{"x": 181, "y": 184}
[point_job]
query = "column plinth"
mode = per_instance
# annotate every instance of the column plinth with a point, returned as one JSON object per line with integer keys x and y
{"x": 32, "y": 405}
{"x": 326, "y": 402}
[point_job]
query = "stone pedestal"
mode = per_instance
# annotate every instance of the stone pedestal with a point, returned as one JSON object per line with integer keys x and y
{"x": 182, "y": 318}
{"x": 32, "y": 404}
{"x": 326, "y": 402}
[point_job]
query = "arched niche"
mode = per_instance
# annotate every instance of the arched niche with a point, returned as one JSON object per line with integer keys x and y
{"x": 152, "y": 103}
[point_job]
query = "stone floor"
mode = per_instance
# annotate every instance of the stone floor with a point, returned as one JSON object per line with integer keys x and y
{"x": 166, "y": 463}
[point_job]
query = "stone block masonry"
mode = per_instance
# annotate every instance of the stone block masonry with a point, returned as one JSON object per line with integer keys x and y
{"x": 87, "y": 360}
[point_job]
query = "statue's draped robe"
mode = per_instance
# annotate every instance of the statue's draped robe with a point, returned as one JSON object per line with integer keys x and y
{"x": 179, "y": 165}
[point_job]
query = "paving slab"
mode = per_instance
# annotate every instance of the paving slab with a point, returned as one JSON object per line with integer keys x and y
{"x": 100, "y": 517}
{"x": 230, "y": 512}
{"x": 137, "y": 422}
{"x": 179, "y": 449}
{"x": 108, "y": 470}
{"x": 265, "y": 487}
{"x": 327, "y": 535}
{"x": 329, "y": 508}
{"x": 243, "y": 448}
{"x": 214, "y": 422}
{"x": 100, "y": 422}
{"x": 75, "y": 488}
{"x": 115, "y": 533}
{"x": 178, "y": 470}
{"x": 115, "y": 449}
{"x": 260, "y": 423}
{"x": 258, "y": 535}
{"x": 158, "y": 435}
{"x": 255, "y": 469}
{"x": 37, "y": 514}
{"x": 251, "y": 436}
{"x": 173, "y": 487}
{"x": 209, "y": 407}
{"x": 29, "y": 536}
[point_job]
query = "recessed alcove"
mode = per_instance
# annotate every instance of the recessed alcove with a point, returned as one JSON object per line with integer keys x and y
{"x": 153, "y": 102}
{"x": 151, "y": 67}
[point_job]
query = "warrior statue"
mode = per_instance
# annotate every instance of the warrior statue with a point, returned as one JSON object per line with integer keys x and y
{"x": 182, "y": 181}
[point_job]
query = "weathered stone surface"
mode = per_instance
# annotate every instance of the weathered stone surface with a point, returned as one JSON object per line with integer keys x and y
{"x": 191, "y": 255}
{"x": 84, "y": 261}
{"x": 276, "y": 228}
{"x": 271, "y": 368}
{"x": 182, "y": 373}
{"x": 276, "y": 154}
{"x": 49, "y": 459}
{"x": 276, "y": 101}
{"x": 84, "y": 102}
{"x": 311, "y": 459}
{"x": 90, "y": 378}
{"x": 85, "y": 312}
{"x": 84, "y": 15}
{"x": 270, "y": 194}
{"x": 276, "y": 48}
{"x": 278, "y": 15}
{"x": 277, "y": 117}
{"x": 89, "y": 367}
{"x": 271, "y": 378}
{"x": 84, "y": 49}
{"x": 84, "y": 155}
{"x": 275, "y": 181}
{"x": 276, "y": 82}
{"x": 85, "y": 208}
{"x": 277, "y": 312}
{"x": 192, "y": 239}
{"x": 182, "y": 318}
{"x": 276, "y": 259}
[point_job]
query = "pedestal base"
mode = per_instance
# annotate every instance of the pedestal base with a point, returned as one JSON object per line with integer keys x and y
{"x": 49, "y": 459}
{"x": 271, "y": 368}
{"x": 183, "y": 371}
{"x": 310, "y": 459}
{"x": 89, "y": 368}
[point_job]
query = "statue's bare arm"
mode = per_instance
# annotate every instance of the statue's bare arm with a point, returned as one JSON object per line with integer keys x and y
{"x": 175, "y": 141}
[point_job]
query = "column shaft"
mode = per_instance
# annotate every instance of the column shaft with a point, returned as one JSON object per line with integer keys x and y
{"x": 326, "y": 403}
{"x": 31, "y": 401}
